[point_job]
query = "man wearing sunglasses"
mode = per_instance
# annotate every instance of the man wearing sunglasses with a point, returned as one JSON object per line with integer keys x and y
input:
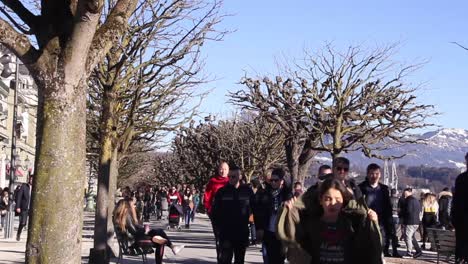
{"x": 341, "y": 172}
{"x": 230, "y": 213}
{"x": 268, "y": 203}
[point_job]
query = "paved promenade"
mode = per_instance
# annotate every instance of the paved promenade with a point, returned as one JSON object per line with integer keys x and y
{"x": 198, "y": 239}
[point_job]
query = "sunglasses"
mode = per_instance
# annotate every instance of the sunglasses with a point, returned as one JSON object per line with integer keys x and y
{"x": 342, "y": 168}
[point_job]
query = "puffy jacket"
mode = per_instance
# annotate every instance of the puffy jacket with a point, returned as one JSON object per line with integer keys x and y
{"x": 445, "y": 204}
{"x": 300, "y": 226}
{"x": 212, "y": 187}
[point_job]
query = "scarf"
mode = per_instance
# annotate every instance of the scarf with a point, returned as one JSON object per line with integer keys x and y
{"x": 276, "y": 199}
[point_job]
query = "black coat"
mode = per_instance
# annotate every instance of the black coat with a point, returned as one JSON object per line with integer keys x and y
{"x": 263, "y": 207}
{"x": 460, "y": 201}
{"x": 386, "y": 216}
{"x": 230, "y": 212}
{"x": 411, "y": 211}
{"x": 23, "y": 196}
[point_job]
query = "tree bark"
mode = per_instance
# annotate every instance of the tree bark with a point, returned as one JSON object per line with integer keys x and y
{"x": 103, "y": 227}
{"x": 54, "y": 234}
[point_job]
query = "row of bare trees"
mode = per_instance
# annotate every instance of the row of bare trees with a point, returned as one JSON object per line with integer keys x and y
{"x": 328, "y": 101}
{"x": 337, "y": 102}
{"x": 126, "y": 70}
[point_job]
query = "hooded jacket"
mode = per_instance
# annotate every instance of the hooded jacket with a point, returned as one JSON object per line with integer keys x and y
{"x": 211, "y": 189}
{"x": 300, "y": 226}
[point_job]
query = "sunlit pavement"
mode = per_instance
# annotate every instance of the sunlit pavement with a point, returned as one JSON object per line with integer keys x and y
{"x": 198, "y": 241}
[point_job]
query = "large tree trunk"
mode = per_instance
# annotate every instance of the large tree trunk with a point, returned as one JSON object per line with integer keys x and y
{"x": 103, "y": 228}
{"x": 54, "y": 234}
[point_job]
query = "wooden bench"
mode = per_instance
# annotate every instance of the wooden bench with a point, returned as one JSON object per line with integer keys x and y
{"x": 443, "y": 241}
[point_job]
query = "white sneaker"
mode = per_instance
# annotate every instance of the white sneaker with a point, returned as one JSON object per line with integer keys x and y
{"x": 177, "y": 249}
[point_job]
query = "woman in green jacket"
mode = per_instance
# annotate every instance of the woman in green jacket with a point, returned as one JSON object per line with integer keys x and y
{"x": 331, "y": 227}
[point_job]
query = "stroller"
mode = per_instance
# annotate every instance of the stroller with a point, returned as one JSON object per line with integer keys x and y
{"x": 175, "y": 213}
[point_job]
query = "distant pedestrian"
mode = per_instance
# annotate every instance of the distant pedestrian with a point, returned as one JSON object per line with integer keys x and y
{"x": 23, "y": 200}
{"x": 445, "y": 206}
{"x": 298, "y": 189}
{"x": 187, "y": 205}
{"x": 174, "y": 197}
{"x": 196, "y": 202}
{"x": 430, "y": 208}
{"x": 411, "y": 220}
{"x": 395, "y": 202}
{"x": 230, "y": 213}
{"x": 460, "y": 215}
{"x": 4, "y": 204}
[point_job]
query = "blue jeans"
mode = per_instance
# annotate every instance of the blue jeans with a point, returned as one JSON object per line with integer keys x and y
{"x": 188, "y": 215}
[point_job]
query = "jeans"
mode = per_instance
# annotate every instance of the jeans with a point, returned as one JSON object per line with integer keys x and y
{"x": 411, "y": 239}
{"x": 391, "y": 236}
{"x": 187, "y": 215}
{"x": 253, "y": 233}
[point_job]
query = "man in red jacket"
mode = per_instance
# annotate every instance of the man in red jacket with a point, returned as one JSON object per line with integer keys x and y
{"x": 212, "y": 187}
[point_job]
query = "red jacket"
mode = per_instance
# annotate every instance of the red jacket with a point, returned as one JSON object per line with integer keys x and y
{"x": 171, "y": 196}
{"x": 212, "y": 187}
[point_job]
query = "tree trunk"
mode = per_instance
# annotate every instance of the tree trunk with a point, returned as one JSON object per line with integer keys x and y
{"x": 103, "y": 227}
{"x": 54, "y": 234}
{"x": 292, "y": 159}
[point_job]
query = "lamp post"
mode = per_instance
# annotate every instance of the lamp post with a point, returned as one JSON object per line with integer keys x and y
{"x": 10, "y": 214}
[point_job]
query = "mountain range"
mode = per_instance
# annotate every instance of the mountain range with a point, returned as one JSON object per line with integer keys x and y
{"x": 443, "y": 148}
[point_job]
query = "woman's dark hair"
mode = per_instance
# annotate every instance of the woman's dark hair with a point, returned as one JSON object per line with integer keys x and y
{"x": 255, "y": 183}
{"x": 338, "y": 185}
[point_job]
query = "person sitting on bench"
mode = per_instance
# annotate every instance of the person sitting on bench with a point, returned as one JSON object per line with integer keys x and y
{"x": 126, "y": 222}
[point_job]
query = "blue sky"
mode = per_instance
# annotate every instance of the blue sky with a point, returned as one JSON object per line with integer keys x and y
{"x": 265, "y": 29}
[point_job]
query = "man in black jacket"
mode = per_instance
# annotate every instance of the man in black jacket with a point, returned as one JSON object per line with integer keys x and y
{"x": 377, "y": 197}
{"x": 267, "y": 205}
{"x": 411, "y": 211}
{"x": 460, "y": 215}
{"x": 341, "y": 172}
{"x": 230, "y": 212}
{"x": 23, "y": 199}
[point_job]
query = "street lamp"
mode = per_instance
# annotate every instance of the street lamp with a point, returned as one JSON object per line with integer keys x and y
{"x": 6, "y": 72}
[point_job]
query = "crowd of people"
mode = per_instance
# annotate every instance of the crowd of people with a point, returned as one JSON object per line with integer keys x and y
{"x": 335, "y": 220}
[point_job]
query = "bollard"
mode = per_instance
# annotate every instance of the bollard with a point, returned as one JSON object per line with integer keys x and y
{"x": 9, "y": 223}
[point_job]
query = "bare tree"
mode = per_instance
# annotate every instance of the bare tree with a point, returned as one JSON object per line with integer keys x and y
{"x": 145, "y": 87}
{"x": 248, "y": 141}
{"x": 60, "y": 43}
{"x": 284, "y": 105}
{"x": 348, "y": 101}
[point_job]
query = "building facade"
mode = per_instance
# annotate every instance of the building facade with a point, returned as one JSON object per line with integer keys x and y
{"x": 25, "y": 127}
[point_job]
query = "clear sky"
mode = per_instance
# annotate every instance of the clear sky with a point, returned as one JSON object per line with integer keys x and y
{"x": 265, "y": 29}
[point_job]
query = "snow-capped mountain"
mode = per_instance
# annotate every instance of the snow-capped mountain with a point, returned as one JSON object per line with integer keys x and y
{"x": 443, "y": 148}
